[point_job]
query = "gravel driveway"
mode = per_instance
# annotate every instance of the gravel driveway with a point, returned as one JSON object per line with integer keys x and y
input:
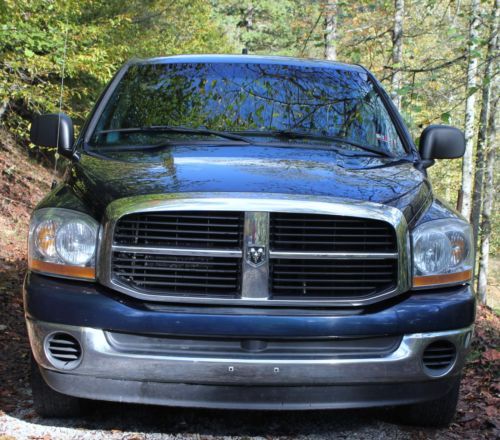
{"x": 113, "y": 421}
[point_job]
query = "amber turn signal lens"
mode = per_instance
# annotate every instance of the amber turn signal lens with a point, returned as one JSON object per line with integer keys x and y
{"x": 87, "y": 273}
{"x": 45, "y": 238}
{"x": 435, "y": 280}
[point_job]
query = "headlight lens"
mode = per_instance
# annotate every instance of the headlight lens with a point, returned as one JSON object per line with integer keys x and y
{"x": 63, "y": 242}
{"x": 75, "y": 242}
{"x": 442, "y": 253}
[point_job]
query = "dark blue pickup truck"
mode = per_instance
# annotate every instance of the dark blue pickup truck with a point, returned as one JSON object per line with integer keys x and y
{"x": 248, "y": 232}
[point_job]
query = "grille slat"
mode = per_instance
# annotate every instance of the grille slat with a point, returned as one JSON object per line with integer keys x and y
{"x": 69, "y": 357}
{"x": 161, "y": 238}
{"x": 192, "y": 214}
{"x": 171, "y": 260}
{"x": 322, "y": 280}
{"x": 174, "y": 276}
{"x": 327, "y": 228}
{"x": 177, "y": 231}
{"x": 316, "y": 218}
{"x": 174, "y": 269}
{"x": 317, "y": 235}
{"x": 178, "y": 284}
{"x": 133, "y": 223}
{"x": 321, "y": 244}
{"x": 322, "y": 288}
{"x": 284, "y": 272}
{"x": 298, "y": 264}
{"x": 56, "y": 349}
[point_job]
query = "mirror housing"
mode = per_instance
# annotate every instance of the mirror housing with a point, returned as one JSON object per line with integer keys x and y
{"x": 45, "y": 130}
{"x": 441, "y": 142}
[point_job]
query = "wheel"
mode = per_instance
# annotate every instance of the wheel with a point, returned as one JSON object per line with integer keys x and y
{"x": 48, "y": 402}
{"x": 435, "y": 413}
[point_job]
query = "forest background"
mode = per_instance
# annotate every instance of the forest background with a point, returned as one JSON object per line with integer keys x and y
{"x": 438, "y": 59}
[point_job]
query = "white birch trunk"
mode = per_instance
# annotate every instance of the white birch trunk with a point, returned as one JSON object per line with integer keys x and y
{"x": 482, "y": 137}
{"x": 3, "y": 108}
{"x": 489, "y": 193}
{"x": 397, "y": 51}
{"x": 489, "y": 189}
{"x": 470, "y": 112}
{"x": 331, "y": 13}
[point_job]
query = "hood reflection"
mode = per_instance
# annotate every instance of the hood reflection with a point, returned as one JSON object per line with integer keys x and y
{"x": 247, "y": 169}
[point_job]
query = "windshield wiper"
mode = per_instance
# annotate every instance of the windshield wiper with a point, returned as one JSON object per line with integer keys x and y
{"x": 290, "y": 134}
{"x": 177, "y": 129}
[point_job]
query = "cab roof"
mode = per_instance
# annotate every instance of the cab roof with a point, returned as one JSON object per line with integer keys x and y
{"x": 249, "y": 59}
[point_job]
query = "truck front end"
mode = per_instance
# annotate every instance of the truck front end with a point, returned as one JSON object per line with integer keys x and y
{"x": 249, "y": 268}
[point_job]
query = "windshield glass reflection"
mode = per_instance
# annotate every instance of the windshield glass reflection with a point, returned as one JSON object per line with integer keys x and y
{"x": 255, "y": 99}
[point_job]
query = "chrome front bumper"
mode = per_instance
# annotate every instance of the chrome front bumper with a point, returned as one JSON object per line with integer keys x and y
{"x": 101, "y": 360}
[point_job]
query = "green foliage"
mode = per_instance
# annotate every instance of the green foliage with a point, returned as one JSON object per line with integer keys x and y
{"x": 101, "y": 36}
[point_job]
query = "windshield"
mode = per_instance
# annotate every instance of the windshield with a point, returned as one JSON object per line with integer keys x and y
{"x": 262, "y": 102}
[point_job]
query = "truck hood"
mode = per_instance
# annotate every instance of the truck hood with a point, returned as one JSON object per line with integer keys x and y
{"x": 255, "y": 169}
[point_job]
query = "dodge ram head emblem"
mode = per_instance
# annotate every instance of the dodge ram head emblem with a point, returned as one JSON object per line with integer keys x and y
{"x": 256, "y": 255}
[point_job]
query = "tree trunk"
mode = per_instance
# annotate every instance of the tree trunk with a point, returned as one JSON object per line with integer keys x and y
{"x": 483, "y": 121}
{"x": 249, "y": 17}
{"x": 397, "y": 51}
{"x": 331, "y": 13}
{"x": 470, "y": 111}
{"x": 3, "y": 108}
{"x": 489, "y": 191}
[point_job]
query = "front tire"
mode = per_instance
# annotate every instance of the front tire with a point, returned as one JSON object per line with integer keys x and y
{"x": 437, "y": 413}
{"x": 48, "y": 402}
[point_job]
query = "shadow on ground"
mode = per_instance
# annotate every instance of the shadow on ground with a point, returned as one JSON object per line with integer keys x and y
{"x": 178, "y": 421}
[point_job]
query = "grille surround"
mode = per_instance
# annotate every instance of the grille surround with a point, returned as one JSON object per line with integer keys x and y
{"x": 261, "y": 204}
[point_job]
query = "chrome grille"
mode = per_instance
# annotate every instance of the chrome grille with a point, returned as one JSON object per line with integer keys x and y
{"x": 314, "y": 278}
{"x": 218, "y": 277}
{"x": 310, "y": 232}
{"x": 268, "y": 250}
{"x": 207, "y": 230}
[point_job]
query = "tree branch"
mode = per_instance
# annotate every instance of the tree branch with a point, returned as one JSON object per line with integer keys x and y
{"x": 430, "y": 69}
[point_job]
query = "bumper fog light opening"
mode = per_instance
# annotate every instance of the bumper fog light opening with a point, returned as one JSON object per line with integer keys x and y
{"x": 63, "y": 350}
{"x": 439, "y": 357}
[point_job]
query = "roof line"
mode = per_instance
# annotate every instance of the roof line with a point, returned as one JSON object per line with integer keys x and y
{"x": 250, "y": 59}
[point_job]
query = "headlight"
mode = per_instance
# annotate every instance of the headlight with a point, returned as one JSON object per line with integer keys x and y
{"x": 63, "y": 242}
{"x": 442, "y": 253}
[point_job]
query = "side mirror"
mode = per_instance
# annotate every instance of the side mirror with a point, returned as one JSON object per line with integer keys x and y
{"x": 54, "y": 130}
{"x": 441, "y": 142}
